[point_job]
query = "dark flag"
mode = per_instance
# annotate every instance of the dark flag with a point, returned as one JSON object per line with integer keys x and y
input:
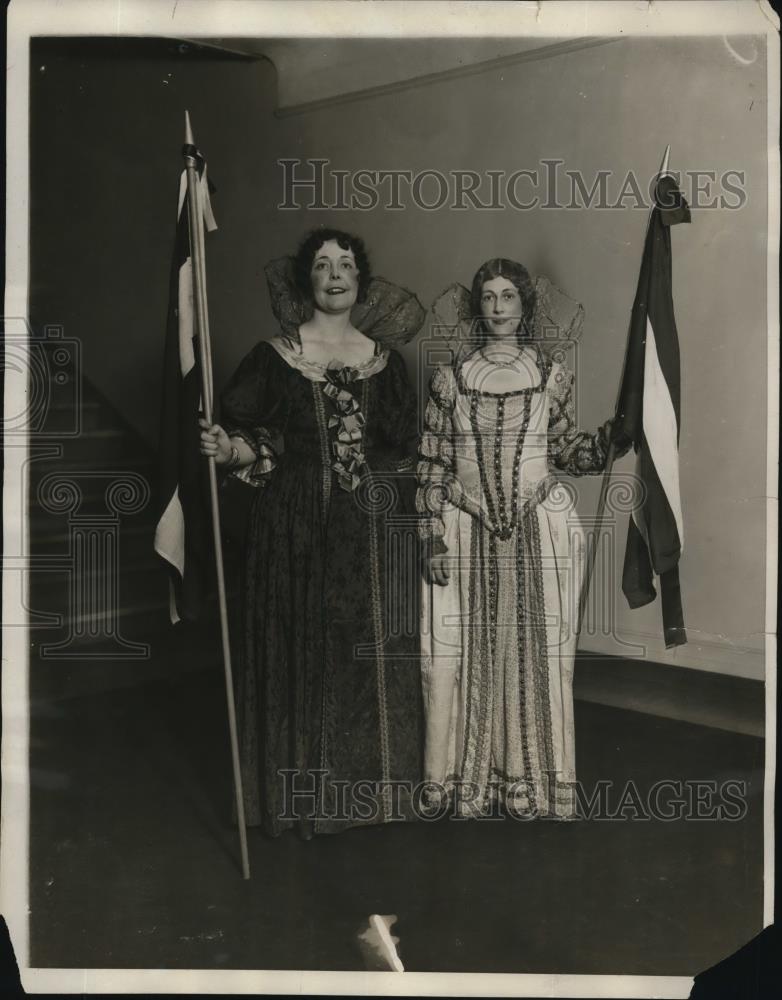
{"x": 182, "y": 536}
{"x": 648, "y": 413}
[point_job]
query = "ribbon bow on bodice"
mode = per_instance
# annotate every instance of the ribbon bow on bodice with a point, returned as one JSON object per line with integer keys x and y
{"x": 348, "y": 421}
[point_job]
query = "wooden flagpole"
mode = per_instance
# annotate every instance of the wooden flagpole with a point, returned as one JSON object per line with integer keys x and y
{"x": 601, "y": 503}
{"x": 198, "y": 258}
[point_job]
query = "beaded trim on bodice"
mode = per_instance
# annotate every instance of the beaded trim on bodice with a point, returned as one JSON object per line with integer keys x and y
{"x": 503, "y": 517}
{"x": 501, "y": 512}
{"x": 542, "y": 363}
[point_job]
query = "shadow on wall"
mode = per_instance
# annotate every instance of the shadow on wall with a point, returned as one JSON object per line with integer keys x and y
{"x": 102, "y": 223}
{"x": 103, "y": 226}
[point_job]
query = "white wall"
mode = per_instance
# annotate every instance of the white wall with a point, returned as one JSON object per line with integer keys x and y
{"x": 612, "y": 107}
{"x": 101, "y": 255}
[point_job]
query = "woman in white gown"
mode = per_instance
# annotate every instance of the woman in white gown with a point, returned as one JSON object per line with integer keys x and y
{"x": 505, "y": 554}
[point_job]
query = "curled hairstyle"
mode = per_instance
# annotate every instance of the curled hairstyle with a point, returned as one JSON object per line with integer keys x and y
{"x": 308, "y": 249}
{"x": 518, "y": 275}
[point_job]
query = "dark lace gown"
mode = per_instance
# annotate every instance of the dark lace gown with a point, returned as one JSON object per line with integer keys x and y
{"x": 328, "y": 685}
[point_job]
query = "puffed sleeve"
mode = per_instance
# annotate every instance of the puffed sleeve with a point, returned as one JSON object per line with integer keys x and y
{"x": 400, "y": 410}
{"x": 436, "y": 459}
{"x": 575, "y": 452}
{"x": 253, "y": 407}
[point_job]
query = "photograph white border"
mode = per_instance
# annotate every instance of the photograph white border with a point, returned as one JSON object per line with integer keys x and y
{"x": 272, "y": 18}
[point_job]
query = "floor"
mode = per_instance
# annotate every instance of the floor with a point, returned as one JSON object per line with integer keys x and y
{"x": 134, "y": 861}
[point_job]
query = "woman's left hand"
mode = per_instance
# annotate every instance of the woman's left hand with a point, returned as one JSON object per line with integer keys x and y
{"x": 610, "y": 433}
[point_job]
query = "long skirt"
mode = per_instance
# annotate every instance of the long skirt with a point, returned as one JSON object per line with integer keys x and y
{"x": 499, "y": 643}
{"x": 329, "y": 691}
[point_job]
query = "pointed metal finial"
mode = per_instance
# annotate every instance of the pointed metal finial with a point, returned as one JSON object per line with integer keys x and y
{"x": 666, "y": 158}
{"x": 189, "y": 140}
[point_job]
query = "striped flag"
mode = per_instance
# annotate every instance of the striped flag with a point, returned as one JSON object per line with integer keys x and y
{"x": 184, "y": 526}
{"x": 648, "y": 413}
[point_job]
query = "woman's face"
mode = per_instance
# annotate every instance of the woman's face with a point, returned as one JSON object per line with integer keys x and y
{"x": 334, "y": 278}
{"x": 501, "y": 308}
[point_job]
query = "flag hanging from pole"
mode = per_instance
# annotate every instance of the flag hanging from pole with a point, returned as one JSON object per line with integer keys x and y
{"x": 183, "y": 529}
{"x": 649, "y": 414}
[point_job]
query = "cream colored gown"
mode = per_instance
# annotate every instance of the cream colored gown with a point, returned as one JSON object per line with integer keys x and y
{"x": 499, "y": 639}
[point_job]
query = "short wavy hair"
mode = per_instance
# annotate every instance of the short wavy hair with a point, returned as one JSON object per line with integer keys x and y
{"x": 308, "y": 248}
{"x": 518, "y": 275}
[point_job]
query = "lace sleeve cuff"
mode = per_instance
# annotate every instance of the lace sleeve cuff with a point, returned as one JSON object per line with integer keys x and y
{"x": 431, "y": 531}
{"x": 433, "y": 496}
{"x": 581, "y": 455}
{"x": 433, "y": 545}
{"x": 260, "y": 441}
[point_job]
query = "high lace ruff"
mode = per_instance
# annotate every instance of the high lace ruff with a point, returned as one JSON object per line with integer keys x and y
{"x": 389, "y": 314}
{"x": 555, "y": 325}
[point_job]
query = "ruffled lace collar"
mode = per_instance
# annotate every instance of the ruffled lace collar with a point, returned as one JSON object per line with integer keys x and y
{"x": 389, "y": 315}
{"x": 290, "y": 351}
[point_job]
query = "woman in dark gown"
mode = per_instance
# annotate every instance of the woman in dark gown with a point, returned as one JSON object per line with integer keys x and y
{"x": 322, "y": 419}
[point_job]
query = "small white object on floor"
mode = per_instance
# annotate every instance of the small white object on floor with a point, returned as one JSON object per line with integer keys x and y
{"x": 380, "y": 942}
